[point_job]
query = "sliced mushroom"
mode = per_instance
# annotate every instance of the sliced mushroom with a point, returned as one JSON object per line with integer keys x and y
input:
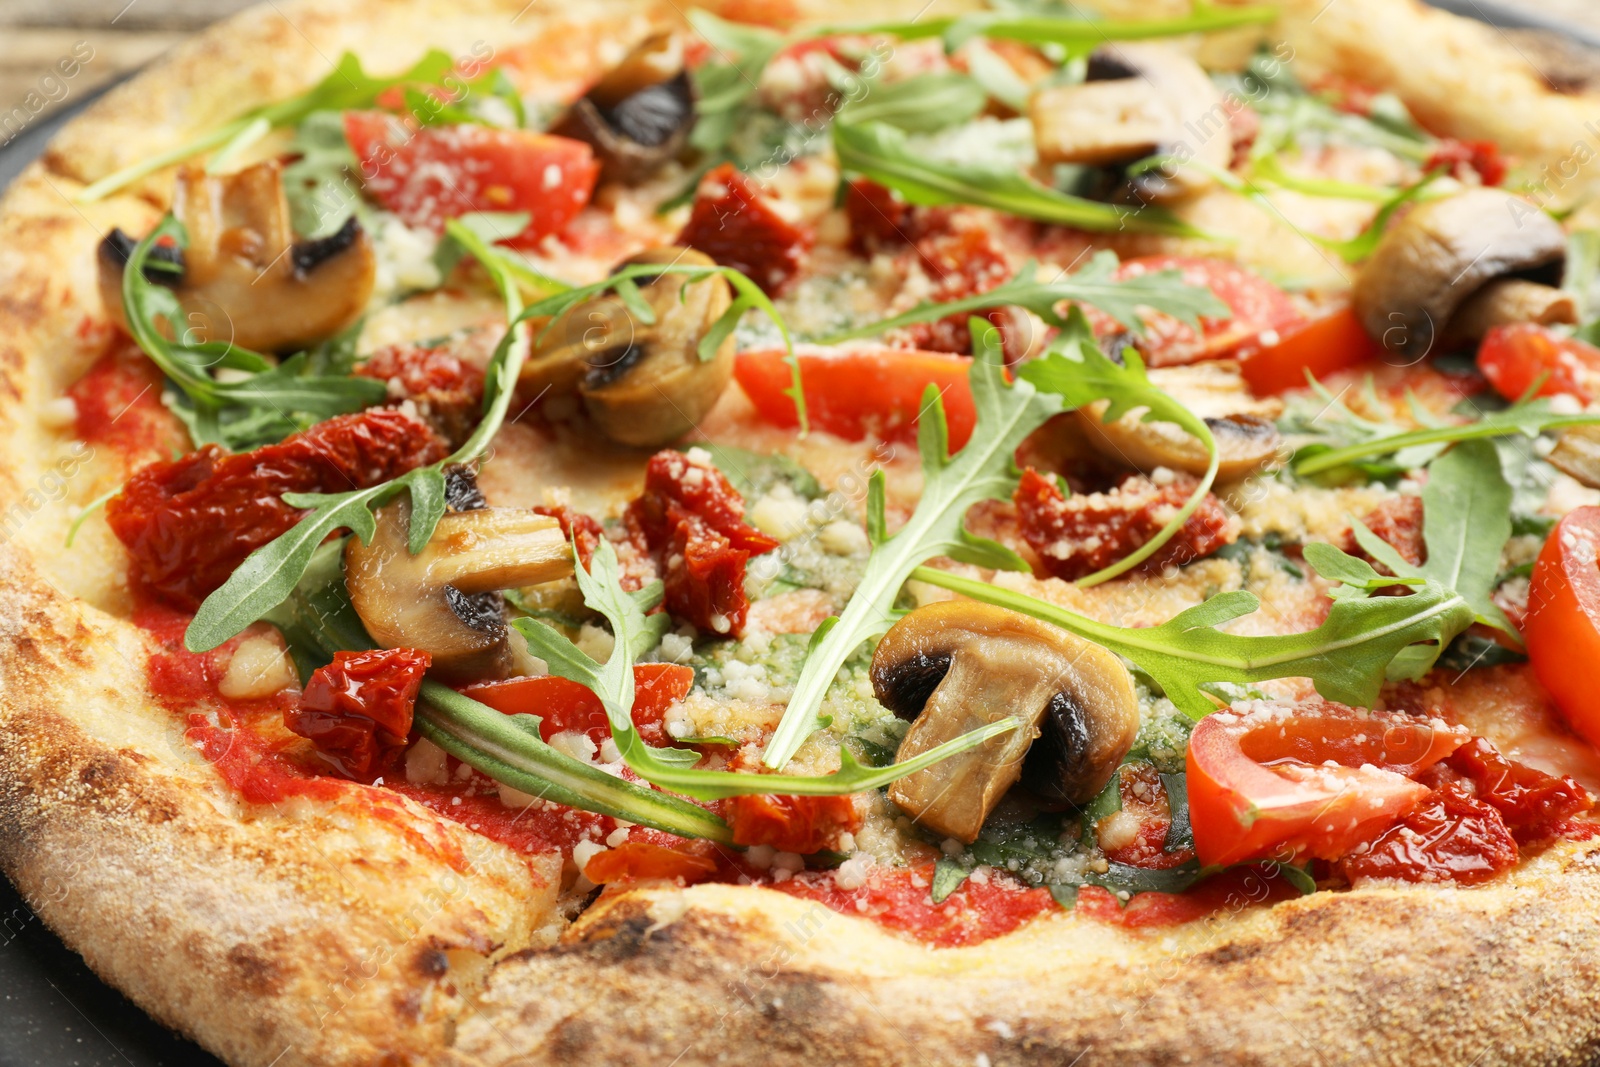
{"x": 642, "y": 383}
{"x": 956, "y": 665}
{"x": 1242, "y": 424}
{"x": 1577, "y": 453}
{"x": 244, "y": 278}
{"x": 1138, "y": 100}
{"x": 639, "y": 115}
{"x": 1430, "y": 280}
{"x": 445, "y": 600}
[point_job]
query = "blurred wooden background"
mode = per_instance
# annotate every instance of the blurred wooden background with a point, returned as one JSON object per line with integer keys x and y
{"x": 35, "y": 35}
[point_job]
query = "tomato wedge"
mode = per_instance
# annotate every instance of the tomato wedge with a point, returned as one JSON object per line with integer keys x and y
{"x": 1259, "y": 308}
{"x": 1514, "y": 357}
{"x": 855, "y": 392}
{"x": 1285, "y": 781}
{"x": 564, "y": 705}
{"x": 434, "y": 173}
{"x": 1562, "y": 627}
{"x": 1321, "y": 346}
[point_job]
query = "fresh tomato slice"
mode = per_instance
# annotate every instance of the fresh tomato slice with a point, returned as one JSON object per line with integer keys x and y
{"x": 434, "y": 173}
{"x": 564, "y": 705}
{"x": 860, "y": 391}
{"x": 1321, "y": 346}
{"x": 634, "y": 861}
{"x": 1514, "y": 357}
{"x": 1282, "y": 781}
{"x": 1562, "y": 627}
{"x": 1260, "y": 309}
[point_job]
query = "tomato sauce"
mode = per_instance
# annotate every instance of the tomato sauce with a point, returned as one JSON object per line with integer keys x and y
{"x": 119, "y": 406}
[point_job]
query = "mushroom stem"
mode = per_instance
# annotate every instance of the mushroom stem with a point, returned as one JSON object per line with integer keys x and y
{"x": 1510, "y": 300}
{"x": 499, "y": 548}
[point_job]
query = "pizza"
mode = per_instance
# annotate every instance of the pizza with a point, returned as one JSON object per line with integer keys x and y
{"x": 995, "y": 535}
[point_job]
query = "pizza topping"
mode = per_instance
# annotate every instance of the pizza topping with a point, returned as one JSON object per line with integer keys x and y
{"x": 1455, "y": 266}
{"x": 1259, "y": 311}
{"x": 1577, "y": 453}
{"x": 434, "y": 173}
{"x": 955, "y": 666}
{"x": 1246, "y": 437}
{"x": 1136, "y": 100}
{"x": 564, "y": 706}
{"x": 1285, "y": 781}
{"x": 734, "y": 224}
{"x": 792, "y": 824}
{"x": 357, "y": 709}
{"x": 446, "y": 390}
{"x": 1083, "y": 533}
{"x": 639, "y": 115}
{"x": 243, "y": 278}
{"x": 692, "y": 517}
{"x": 1450, "y": 836}
{"x": 1520, "y": 357}
{"x": 190, "y": 522}
{"x": 1562, "y": 626}
{"x": 444, "y": 599}
{"x": 1529, "y": 800}
{"x": 642, "y": 377}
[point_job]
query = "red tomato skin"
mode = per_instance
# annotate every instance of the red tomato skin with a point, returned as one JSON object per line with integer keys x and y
{"x": 735, "y": 225}
{"x": 1562, "y": 627}
{"x": 1450, "y": 837}
{"x": 188, "y": 523}
{"x": 1514, "y": 357}
{"x": 634, "y": 861}
{"x": 861, "y": 392}
{"x": 564, "y": 705}
{"x": 430, "y": 174}
{"x": 357, "y": 709}
{"x": 1258, "y": 306}
{"x": 1321, "y": 346}
{"x": 1529, "y": 800}
{"x": 584, "y": 530}
{"x": 1259, "y": 787}
{"x": 790, "y": 823}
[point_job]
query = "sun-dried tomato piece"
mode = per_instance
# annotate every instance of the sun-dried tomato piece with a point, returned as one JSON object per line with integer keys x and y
{"x": 576, "y": 526}
{"x": 1397, "y": 521}
{"x": 1481, "y": 157}
{"x": 878, "y": 218}
{"x": 692, "y": 518}
{"x": 1078, "y": 535}
{"x": 447, "y": 391}
{"x": 961, "y": 258}
{"x": 1451, "y": 837}
{"x": 1528, "y": 799}
{"x": 735, "y": 225}
{"x": 188, "y": 523}
{"x": 357, "y": 709}
{"x": 564, "y": 705}
{"x": 634, "y": 861}
{"x": 791, "y": 823}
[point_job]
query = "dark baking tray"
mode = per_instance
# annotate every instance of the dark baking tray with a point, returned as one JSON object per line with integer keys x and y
{"x": 53, "y": 1011}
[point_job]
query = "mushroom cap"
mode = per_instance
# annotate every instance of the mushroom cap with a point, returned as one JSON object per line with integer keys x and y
{"x": 1442, "y": 252}
{"x": 958, "y": 665}
{"x": 640, "y": 114}
{"x": 443, "y": 600}
{"x": 643, "y": 384}
{"x": 1241, "y": 423}
{"x": 245, "y": 279}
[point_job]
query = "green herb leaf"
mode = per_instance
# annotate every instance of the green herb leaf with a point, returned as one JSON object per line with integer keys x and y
{"x": 726, "y": 83}
{"x": 1077, "y": 371}
{"x": 881, "y": 152}
{"x": 670, "y": 768}
{"x": 951, "y": 484}
{"x": 922, "y": 103}
{"x": 487, "y": 228}
{"x": 1164, "y": 291}
{"x": 1079, "y": 36}
{"x": 1345, "y": 658}
{"x": 948, "y": 875}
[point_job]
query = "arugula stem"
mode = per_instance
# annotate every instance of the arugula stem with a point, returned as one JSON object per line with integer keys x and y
{"x": 1203, "y": 432}
{"x": 496, "y": 745}
{"x": 146, "y": 167}
{"x": 1338, "y": 457}
{"x": 1046, "y": 29}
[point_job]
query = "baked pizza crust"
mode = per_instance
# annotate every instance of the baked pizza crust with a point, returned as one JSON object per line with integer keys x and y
{"x": 323, "y": 934}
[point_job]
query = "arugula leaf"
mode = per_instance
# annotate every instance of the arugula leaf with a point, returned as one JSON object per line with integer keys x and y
{"x": 881, "y": 152}
{"x": 322, "y": 186}
{"x": 271, "y": 402}
{"x": 1079, "y": 36}
{"x": 1581, "y": 279}
{"x": 922, "y": 103}
{"x": 489, "y": 227}
{"x": 271, "y": 573}
{"x": 1467, "y": 509}
{"x": 1077, "y": 371}
{"x": 348, "y": 87}
{"x": 723, "y": 87}
{"x": 1163, "y": 291}
{"x": 951, "y": 484}
{"x": 948, "y": 874}
{"x": 1346, "y": 657}
{"x": 1529, "y": 418}
{"x": 673, "y": 768}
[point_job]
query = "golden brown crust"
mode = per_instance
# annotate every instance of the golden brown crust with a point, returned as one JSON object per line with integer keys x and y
{"x": 307, "y": 933}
